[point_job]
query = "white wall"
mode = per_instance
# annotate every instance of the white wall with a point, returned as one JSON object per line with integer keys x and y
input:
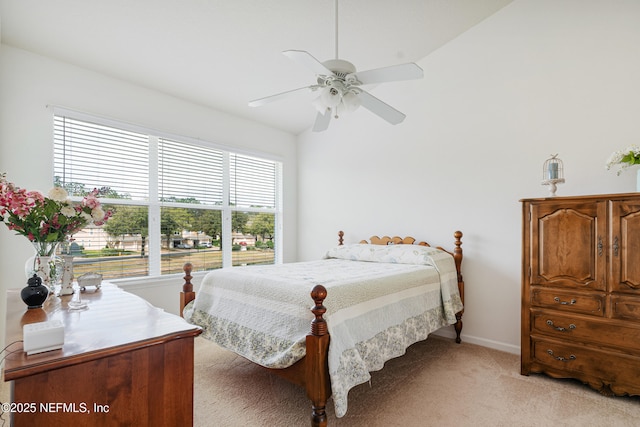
{"x": 28, "y": 83}
{"x": 540, "y": 77}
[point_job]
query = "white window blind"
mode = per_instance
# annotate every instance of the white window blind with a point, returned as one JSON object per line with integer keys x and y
{"x": 89, "y": 155}
{"x": 190, "y": 173}
{"x": 253, "y": 182}
{"x": 179, "y": 184}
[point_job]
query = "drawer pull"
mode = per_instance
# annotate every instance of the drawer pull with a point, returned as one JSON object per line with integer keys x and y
{"x": 561, "y": 358}
{"x": 572, "y": 302}
{"x": 600, "y": 245}
{"x": 560, "y": 328}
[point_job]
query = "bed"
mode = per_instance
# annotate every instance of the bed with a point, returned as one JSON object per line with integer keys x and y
{"x": 381, "y": 296}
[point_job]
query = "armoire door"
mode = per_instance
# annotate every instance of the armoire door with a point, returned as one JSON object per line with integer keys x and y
{"x": 568, "y": 245}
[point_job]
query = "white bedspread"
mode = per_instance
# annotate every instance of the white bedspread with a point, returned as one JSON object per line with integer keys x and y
{"x": 380, "y": 300}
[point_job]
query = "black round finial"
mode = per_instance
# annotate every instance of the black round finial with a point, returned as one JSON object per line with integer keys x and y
{"x": 34, "y": 280}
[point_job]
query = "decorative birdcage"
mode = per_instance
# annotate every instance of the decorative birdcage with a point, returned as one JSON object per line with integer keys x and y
{"x": 553, "y": 174}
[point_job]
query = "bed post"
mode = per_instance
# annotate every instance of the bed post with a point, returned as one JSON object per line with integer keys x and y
{"x": 457, "y": 256}
{"x": 317, "y": 363}
{"x": 340, "y": 238}
{"x": 187, "y": 295}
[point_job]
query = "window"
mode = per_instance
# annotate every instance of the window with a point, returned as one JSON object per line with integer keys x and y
{"x": 173, "y": 200}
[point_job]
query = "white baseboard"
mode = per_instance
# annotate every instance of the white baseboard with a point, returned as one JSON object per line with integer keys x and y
{"x": 448, "y": 332}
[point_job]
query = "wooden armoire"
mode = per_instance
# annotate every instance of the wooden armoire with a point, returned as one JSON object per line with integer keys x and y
{"x": 581, "y": 290}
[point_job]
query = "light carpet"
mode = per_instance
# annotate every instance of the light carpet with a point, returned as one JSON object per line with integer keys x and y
{"x": 436, "y": 383}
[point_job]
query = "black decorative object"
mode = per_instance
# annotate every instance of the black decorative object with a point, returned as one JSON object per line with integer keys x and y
{"x": 35, "y": 293}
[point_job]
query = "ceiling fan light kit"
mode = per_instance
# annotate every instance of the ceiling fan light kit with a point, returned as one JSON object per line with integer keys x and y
{"x": 337, "y": 98}
{"x": 340, "y": 84}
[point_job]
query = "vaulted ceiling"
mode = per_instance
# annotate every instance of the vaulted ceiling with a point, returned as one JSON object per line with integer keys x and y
{"x": 222, "y": 54}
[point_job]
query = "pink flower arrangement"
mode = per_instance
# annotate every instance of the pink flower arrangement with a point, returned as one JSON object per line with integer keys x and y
{"x": 48, "y": 219}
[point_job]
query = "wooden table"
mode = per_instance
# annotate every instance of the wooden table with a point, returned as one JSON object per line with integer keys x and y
{"x": 124, "y": 363}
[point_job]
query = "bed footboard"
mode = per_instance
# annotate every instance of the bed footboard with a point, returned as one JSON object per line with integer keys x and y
{"x": 316, "y": 363}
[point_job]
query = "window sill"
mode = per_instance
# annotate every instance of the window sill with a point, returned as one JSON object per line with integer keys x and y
{"x": 165, "y": 281}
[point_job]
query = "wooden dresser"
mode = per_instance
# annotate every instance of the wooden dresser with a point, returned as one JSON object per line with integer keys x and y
{"x": 581, "y": 290}
{"x": 124, "y": 363}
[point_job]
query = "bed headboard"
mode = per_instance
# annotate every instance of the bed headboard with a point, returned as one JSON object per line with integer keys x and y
{"x": 386, "y": 240}
{"x": 396, "y": 240}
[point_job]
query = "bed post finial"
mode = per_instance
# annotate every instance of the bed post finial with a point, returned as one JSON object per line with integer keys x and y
{"x": 340, "y": 237}
{"x": 187, "y": 295}
{"x": 457, "y": 252}
{"x": 319, "y": 325}
{"x": 187, "y": 268}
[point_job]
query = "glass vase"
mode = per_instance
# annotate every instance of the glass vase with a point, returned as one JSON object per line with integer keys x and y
{"x": 46, "y": 263}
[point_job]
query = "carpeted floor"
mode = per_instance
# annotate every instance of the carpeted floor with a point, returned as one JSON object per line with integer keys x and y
{"x": 437, "y": 383}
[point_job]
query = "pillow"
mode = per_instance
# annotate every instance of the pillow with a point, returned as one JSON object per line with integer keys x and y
{"x": 395, "y": 254}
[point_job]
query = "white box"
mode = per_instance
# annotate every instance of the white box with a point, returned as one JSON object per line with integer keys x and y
{"x": 43, "y": 336}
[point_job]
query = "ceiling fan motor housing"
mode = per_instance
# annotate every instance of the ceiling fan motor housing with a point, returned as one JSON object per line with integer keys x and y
{"x": 340, "y": 67}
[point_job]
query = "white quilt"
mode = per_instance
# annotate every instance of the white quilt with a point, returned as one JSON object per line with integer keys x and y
{"x": 380, "y": 300}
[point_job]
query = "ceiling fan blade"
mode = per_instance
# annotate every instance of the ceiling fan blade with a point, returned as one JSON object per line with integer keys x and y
{"x": 277, "y": 97}
{"x": 379, "y": 108}
{"x": 305, "y": 58}
{"x": 393, "y": 73}
{"x": 322, "y": 121}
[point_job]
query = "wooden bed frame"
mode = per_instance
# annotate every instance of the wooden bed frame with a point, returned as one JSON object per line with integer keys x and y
{"x": 312, "y": 371}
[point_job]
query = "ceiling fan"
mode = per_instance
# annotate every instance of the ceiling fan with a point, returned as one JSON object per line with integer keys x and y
{"x": 339, "y": 84}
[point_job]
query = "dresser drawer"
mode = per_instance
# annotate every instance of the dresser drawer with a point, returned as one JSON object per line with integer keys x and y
{"x": 625, "y": 307}
{"x": 600, "y": 368}
{"x": 578, "y": 328}
{"x": 575, "y": 302}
